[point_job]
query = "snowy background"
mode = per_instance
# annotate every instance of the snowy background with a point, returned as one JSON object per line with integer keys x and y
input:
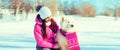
{"x": 95, "y": 33}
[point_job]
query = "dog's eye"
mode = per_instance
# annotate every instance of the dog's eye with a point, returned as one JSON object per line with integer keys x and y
{"x": 68, "y": 22}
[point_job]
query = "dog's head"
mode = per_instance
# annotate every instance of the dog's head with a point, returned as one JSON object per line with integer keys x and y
{"x": 67, "y": 24}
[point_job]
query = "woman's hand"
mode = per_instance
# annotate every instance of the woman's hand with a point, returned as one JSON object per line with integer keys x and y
{"x": 52, "y": 23}
{"x": 57, "y": 46}
{"x": 52, "y": 20}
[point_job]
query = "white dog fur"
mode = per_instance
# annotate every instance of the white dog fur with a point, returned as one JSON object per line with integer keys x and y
{"x": 68, "y": 25}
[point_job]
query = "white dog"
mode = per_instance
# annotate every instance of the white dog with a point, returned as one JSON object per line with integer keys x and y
{"x": 67, "y": 25}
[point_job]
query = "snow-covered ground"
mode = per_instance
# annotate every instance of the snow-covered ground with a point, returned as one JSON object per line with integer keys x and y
{"x": 99, "y": 33}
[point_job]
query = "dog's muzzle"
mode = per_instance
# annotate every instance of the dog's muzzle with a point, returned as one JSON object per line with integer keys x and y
{"x": 72, "y": 25}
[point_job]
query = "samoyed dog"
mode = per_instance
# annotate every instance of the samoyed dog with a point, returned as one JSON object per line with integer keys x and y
{"x": 67, "y": 25}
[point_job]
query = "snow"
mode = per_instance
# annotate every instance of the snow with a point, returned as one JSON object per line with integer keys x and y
{"x": 98, "y": 33}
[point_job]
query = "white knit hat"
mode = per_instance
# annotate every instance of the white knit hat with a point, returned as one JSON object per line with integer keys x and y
{"x": 44, "y": 12}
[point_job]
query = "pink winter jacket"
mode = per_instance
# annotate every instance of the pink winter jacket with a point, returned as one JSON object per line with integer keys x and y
{"x": 49, "y": 41}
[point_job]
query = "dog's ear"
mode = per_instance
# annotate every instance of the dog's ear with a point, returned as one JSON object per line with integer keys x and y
{"x": 62, "y": 19}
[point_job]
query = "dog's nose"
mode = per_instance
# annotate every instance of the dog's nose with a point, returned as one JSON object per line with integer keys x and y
{"x": 72, "y": 25}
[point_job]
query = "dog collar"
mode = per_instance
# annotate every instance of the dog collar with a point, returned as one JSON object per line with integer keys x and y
{"x": 63, "y": 32}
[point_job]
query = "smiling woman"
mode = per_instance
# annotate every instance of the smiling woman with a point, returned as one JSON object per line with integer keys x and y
{"x": 45, "y": 29}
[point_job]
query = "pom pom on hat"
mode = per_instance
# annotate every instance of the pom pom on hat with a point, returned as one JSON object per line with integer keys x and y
{"x": 44, "y": 12}
{"x": 38, "y": 8}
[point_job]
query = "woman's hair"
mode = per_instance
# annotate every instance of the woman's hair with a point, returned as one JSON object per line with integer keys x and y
{"x": 43, "y": 22}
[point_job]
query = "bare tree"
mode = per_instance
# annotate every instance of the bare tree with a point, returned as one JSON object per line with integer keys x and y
{"x": 117, "y": 13}
{"x": 116, "y": 10}
{"x": 15, "y": 5}
{"x": 19, "y": 5}
{"x": 52, "y": 5}
{"x": 27, "y": 8}
{"x": 87, "y": 9}
{"x": 108, "y": 12}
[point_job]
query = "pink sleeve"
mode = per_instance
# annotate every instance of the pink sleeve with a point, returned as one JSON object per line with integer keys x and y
{"x": 39, "y": 39}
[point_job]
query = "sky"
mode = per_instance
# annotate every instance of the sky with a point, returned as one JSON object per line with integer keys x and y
{"x": 99, "y": 5}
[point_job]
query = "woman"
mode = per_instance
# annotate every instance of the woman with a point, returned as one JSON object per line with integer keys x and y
{"x": 45, "y": 29}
